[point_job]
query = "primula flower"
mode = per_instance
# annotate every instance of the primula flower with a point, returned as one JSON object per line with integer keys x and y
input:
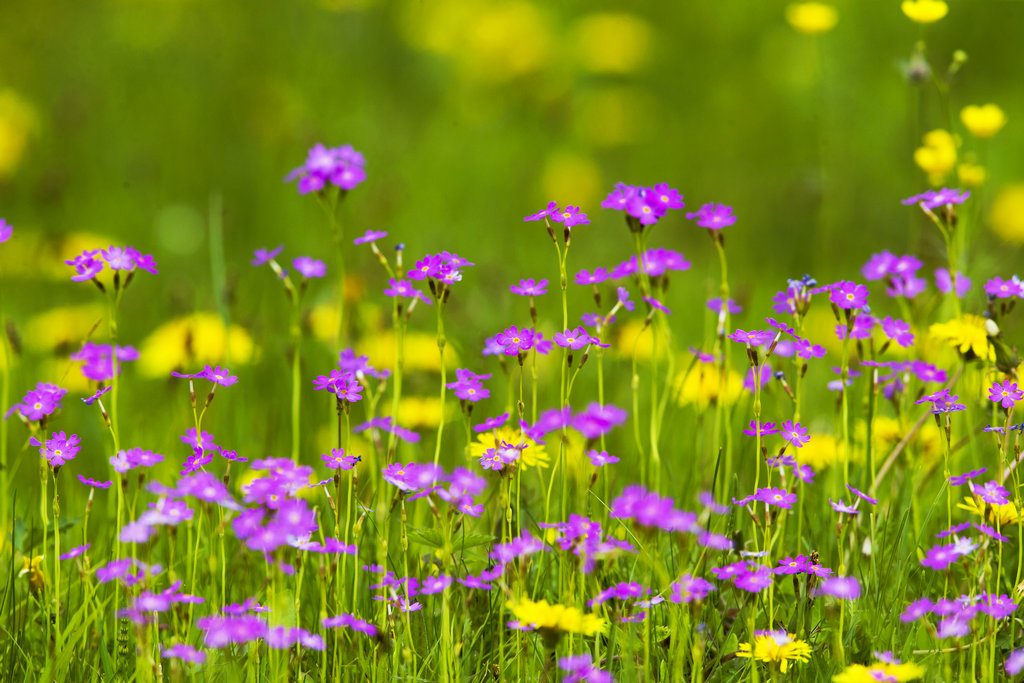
{"x": 184, "y": 652}
{"x": 689, "y": 588}
{"x": 491, "y": 423}
{"x": 516, "y": 341}
{"x": 97, "y": 363}
{"x": 940, "y": 557}
{"x": 340, "y": 166}
{"x": 762, "y": 428}
{"x": 5, "y": 231}
{"x": 1005, "y": 394}
{"x": 75, "y": 552}
{"x": 842, "y": 587}
{"x": 309, "y": 267}
{"x": 713, "y": 216}
{"x": 543, "y": 213}
{"x": 863, "y": 496}
{"x": 581, "y": 668}
{"x": 795, "y": 434}
{"x": 998, "y": 288}
{"x": 790, "y": 565}
{"x": 404, "y": 288}
{"x": 731, "y": 306}
{"x": 585, "y": 277}
{"x": 842, "y": 507}
{"x": 848, "y": 295}
{"x": 992, "y": 493}
{"x": 38, "y": 403}
{"x": 572, "y": 339}
{"x": 932, "y": 200}
{"x": 753, "y": 338}
{"x": 58, "y": 449}
{"x": 898, "y": 331}
{"x": 599, "y": 458}
{"x": 528, "y": 287}
{"x": 86, "y": 266}
{"x": 261, "y": 255}
{"x": 338, "y": 460}
{"x": 570, "y": 217}
{"x": 370, "y": 236}
{"x": 776, "y": 647}
{"x": 93, "y": 483}
{"x": 945, "y": 283}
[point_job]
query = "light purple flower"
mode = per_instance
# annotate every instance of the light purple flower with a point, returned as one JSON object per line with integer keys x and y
{"x": 842, "y": 587}
{"x": 370, "y": 236}
{"x": 309, "y": 267}
{"x": 528, "y": 287}
{"x": 713, "y": 216}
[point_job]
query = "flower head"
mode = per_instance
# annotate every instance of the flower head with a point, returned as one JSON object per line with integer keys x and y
{"x": 984, "y": 121}
{"x": 555, "y": 618}
{"x": 339, "y": 166}
{"x": 58, "y": 449}
{"x": 713, "y": 216}
{"x": 776, "y": 647}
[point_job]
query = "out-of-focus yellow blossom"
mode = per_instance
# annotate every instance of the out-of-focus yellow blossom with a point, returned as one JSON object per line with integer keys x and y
{"x": 702, "y": 384}
{"x": 571, "y": 175}
{"x": 983, "y": 121}
{"x": 924, "y": 11}
{"x": 65, "y": 326}
{"x": 967, "y": 335}
{"x": 34, "y": 569}
{"x": 557, "y": 618}
{"x": 194, "y": 340}
{"x": 18, "y": 123}
{"x": 971, "y": 175}
{"x": 886, "y": 433}
{"x": 614, "y": 116}
{"x": 879, "y": 671}
{"x": 937, "y": 156}
{"x": 824, "y": 450}
{"x": 612, "y": 42}
{"x": 415, "y": 411}
{"x": 632, "y": 335}
{"x": 1007, "y": 213}
{"x": 534, "y": 455}
{"x": 420, "y": 351}
{"x": 777, "y": 647}
{"x": 1007, "y": 514}
{"x": 811, "y": 18}
{"x": 490, "y": 41}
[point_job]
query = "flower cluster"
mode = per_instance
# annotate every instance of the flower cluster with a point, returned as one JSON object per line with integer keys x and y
{"x": 645, "y": 205}
{"x": 339, "y": 166}
{"x": 91, "y": 262}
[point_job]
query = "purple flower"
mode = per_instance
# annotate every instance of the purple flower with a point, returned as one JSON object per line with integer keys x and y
{"x": 848, "y": 295}
{"x": 598, "y": 419}
{"x": 491, "y": 423}
{"x": 58, "y": 449}
{"x": 715, "y": 305}
{"x": 643, "y": 206}
{"x": 516, "y": 341}
{"x": 842, "y": 507}
{"x": 945, "y": 283}
{"x": 405, "y": 289}
{"x": 261, "y": 255}
{"x": 713, "y": 216}
{"x": 86, "y": 265}
{"x": 352, "y": 622}
{"x": 930, "y": 199}
{"x": 95, "y": 484}
{"x": 585, "y": 277}
{"x": 99, "y": 392}
{"x": 39, "y": 402}
{"x": 340, "y": 166}
{"x": 570, "y": 217}
{"x": 998, "y": 288}
{"x": 184, "y": 652}
{"x": 959, "y": 479}
{"x": 75, "y": 552}
{"x": 435, "y": 584}
{"x": 1014, "y": 662}
{"x": 775, "y": 496}
{"x": 572, "y": 339}
{"x": 916, "y": 610}
{"x": 842, "y": 587}
{"x": 338, "y": 460}
{"x": 468, "y": 386}
{"x": 764, "y": 428}
{"x": 654, "y": 303}
{"x": 1005, "y": 394}
{"x": 793, "y": 565}
{"x": 543, "y": 213}
{"x": 370, "y": 236}
{"x": 940, "y": 557}
{"x": 619, "y": 197}
{"x": 897, "y": 330}
{"x": 992, "y": 493}
{"x": 990, "y": 532}
{"x": 753, "y": 338}
{"x": 5, "y": 231}
{"x": 309, "y": 267}
{"x": 754, "y": 579}
{"x": 863, "y": 496}
{"x": 97, "y": 363}
{"x": 955, "y": 529}
{"x": 795, "y": 434}
{"x": 528, "y": 287}
{"x": 599, "y": 458}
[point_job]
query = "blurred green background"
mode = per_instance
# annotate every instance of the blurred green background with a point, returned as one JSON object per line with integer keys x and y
{"x": 141, "y": 121}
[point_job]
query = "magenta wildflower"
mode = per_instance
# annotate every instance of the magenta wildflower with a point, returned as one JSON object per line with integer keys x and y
{"x": 86, "y": 265}
{"x": 491, "y": 423}
{"x": 931, "y": 199}
{"x": 585, "y": 277}
{"x": 916, "y": 610}
{"x": 5, "y": 231}
{"x": 39, "y": 402}
{"x": 896, "y": 330}
{"x": 755, "y": 579}
{"x": 404, "y": 288}
{"x": 842, "y": 587}
{"x": 863, "y": 496}
{"x": 1005, "y": 394}
{"x": 543, "y": 213}
{"x": 713, "y": 216}
{"x": 309, "y": 267}
{"x": 689, "y": 588}
{"x": 945, "y": 283}
{"x": 1014, "y": 662}
{"x": 370, "y": 236}
{"x": 338, "y": 460}
{"x": 93, "y": 483}
{"x": 848, "y": 295}
{"x": 516, "y": 341}
{"x": 990, "y": 532}
{"x": 940, "y": 557}
{"x": 468, "y": 386}
{"x": 842, "y": 507}
{"x": 793, "y": 565}
{"x": 992, "y": 493}
{"x": 185, "y": 653}
{"x": 762, "y": 428}
{"x": 75, "y": 552}
{"x": 570, "y": 217}
{"x": 998, "y": 288}
{"x": 955, "y": 529}
{"x": 775, "y": 496}
{"x": 753, "y": 338}
{"x": 339, "y": 166}
{"x": 529, "y": 287}
{"x": 572, "y": 339}
{"x": 643, "y": 206}
{"x": 261, "y": 255}
{"x": 960, "y": 479}
{"x": 599, "y": 458}
{"x": 597, "y": 420}
{"x": 795, "y": 434}
{"x": 654, "y": 303}
{"x": 707, "y": 499}
{"x": 58, "y": 449}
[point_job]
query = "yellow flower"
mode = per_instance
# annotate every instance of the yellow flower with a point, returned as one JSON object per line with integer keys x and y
{"x": 886, "y": 433}
{"x": 34, "y": 569}
{"x": 414, "y": 411}
{"x": 879, "y": 671}
{"x": 971, "y": 175}
{"x": 824, "y": 450}
{"x": 777, "y": 646}
{"x": 937, "y": 156}
{"x": 1007, "y": 214}
{"x": 701, "y": 385}
{"x": 557, "y": 618}
{"x": 612, "y": 42}
{"x": 533, "y": 455}
{"x": 18, "y": 123}
{"x": 967, "y": 335}
{"x": 984, "y": 121}
{"x": 811, "y": 18}
{"x": 197, "y": 339}
{"x": 1007, "y": 514}
{"x": 924, "y": 11}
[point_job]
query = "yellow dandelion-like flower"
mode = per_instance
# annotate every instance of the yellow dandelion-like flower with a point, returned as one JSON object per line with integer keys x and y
{"x": 34, "y": 569}
{"x": 702, "y": 384}
{"x": 1007, "y": 514}
{"x": 197, "y": 339}
{"x": 967, "y": 335}
{"x": 924, "y": 11}
{"x": 558, "y": 618}
{"x": 879, "y": 671}
{"x": 983, "y": 121}
{"x": 777, "y": 646}
{"x": 971, "y": 175}
{"x": 533, "y": 455}
{"x": 811, "y": 18}
{"x": 937, "y": 156}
